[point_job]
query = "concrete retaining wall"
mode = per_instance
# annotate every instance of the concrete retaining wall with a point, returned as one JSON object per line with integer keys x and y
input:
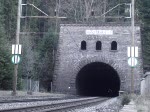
{"x": 145, "y": 84}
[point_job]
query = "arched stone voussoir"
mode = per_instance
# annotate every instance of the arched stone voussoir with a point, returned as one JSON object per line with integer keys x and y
{"x": 83, "y": 62}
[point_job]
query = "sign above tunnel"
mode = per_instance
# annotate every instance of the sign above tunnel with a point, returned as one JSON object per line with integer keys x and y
{"x": 99, "y": 32}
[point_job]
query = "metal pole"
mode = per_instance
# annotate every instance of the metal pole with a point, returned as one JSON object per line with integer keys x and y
{"x": 27, "y": 82}
{"x": 110, "y": 10}
{"x": 51, "y": 87}
{"x": 133, "y": 22}
{"x": 133, "y": 44}
{"x": 17, "y": 42}
{"x": 30, "y": 84}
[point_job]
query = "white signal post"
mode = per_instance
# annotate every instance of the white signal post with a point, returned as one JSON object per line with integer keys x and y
{"x": 15, "y": 59}
{"x": 16, "y": 51}
{"x": 133, "y": 44}
{"x": 132, "y": 55}
{"x": 17, "y": 42}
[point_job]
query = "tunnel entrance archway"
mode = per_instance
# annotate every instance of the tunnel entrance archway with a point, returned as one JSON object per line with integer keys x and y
{"x": 98, "y": 79}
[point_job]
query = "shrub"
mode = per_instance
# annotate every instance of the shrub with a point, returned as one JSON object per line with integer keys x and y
{"x": 125, "y": 100}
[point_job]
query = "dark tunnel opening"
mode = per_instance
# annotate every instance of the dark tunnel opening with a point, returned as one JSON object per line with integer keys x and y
{"x": 98, "y": 79}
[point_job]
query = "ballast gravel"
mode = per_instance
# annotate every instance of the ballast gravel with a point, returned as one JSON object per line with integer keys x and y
{"x": 112, "y": 105}
{"x": 37, "y": 103}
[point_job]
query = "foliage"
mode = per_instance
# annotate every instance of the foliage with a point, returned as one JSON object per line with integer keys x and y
{"x": 39, "y": 50}
{"x": 144, "y": 15}
{"x": 125, "y": 100}
{"x": 46, "y": 57}
{"x": 9, "y": 15}
{"x": 5, "y": 66}
{"x": 7, "y": 34}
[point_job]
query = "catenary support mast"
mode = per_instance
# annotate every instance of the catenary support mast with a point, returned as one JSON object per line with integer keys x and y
{"x": 17, "y": 42}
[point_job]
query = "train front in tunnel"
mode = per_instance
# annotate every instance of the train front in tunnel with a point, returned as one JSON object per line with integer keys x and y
{"x": 98, "y": 79}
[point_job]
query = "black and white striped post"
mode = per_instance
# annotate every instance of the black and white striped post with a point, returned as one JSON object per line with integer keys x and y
{"x": 132, "y": 53}
{"x": 16, "y": 52}
{"x": 132, "y": 56}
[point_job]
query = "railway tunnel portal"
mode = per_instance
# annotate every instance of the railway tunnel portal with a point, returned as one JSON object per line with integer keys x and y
{"x": 97, "y": 79}
{"x": 92, "y": 60}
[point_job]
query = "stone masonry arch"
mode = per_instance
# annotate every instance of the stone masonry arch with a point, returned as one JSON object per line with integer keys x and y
{"x": 87, "y": 61}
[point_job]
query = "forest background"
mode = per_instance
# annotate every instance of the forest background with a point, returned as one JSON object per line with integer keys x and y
{"x": 39, "y": 36}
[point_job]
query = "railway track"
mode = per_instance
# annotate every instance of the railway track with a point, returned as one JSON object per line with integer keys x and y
{"x": 46, "y": 98}
{"x": 63, "y": 106}
{"x": 27, "y": 100}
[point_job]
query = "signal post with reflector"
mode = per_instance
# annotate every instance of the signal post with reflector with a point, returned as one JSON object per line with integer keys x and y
{"x": 132, "y": 53}
{"x": 132, "y": 56}
{"x": 16, "y": 52}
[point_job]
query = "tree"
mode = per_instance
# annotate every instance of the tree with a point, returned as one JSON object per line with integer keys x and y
{"x": 46, "y": 58}
{"x": 8, "y": 12}
{"x": 5, "y": 64}
{"x": 144, "y": 15}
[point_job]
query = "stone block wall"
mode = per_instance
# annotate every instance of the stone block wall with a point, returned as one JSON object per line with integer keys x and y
{"x": 70, "y": 58}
